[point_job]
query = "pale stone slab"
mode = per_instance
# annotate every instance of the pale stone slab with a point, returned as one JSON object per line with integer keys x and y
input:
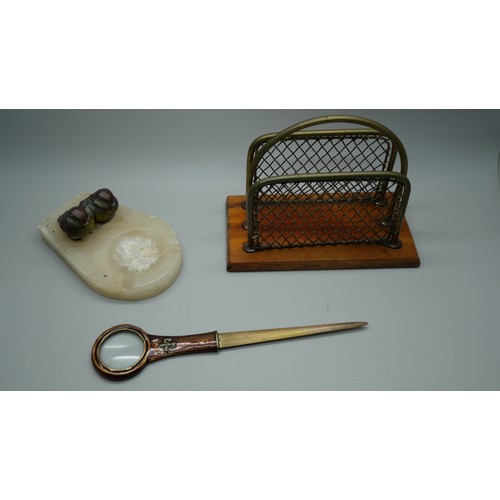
{"x": 132, "y": 257}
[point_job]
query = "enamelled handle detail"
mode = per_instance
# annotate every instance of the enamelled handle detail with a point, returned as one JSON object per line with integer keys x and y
{"x": 167, "y": 346}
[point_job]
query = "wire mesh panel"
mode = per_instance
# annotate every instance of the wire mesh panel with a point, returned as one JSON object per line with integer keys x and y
{"x": 285, "y": 213}
{"x": 322, "y": 154}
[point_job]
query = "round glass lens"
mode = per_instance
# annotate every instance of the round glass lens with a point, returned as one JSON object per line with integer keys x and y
{"x": 122, "y": 350}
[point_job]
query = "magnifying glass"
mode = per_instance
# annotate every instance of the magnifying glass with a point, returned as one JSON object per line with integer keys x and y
{"x": 124, "y": 350}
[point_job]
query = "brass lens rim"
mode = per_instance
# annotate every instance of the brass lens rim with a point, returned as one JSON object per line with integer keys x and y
{"x": 122, "y": 372}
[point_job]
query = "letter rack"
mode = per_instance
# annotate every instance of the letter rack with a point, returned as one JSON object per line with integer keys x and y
{"x": 323, "y": 199}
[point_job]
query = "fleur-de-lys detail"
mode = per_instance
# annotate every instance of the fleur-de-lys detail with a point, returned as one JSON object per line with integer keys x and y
{"x": 167, "y": 345}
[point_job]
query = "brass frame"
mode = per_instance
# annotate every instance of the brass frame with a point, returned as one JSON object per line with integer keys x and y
{"x": 124, "y": 372}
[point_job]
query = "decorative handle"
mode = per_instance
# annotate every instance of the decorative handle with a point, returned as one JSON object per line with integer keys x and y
{"x": 165, "y": 347}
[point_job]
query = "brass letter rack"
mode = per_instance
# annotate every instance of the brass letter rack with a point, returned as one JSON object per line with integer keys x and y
{"x": 323, "y": 199}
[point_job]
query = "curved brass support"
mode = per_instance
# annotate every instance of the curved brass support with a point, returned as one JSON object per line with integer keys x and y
{"x": 266, "y": 142}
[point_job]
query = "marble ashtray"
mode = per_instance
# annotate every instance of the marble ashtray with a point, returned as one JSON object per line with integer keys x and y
{"x": 132, "y": 257}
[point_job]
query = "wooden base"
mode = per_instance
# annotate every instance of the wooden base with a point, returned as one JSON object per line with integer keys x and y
{"x": 308, "y": 258}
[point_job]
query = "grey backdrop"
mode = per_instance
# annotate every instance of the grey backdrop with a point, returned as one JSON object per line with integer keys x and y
{"x": 436, "y": 327}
